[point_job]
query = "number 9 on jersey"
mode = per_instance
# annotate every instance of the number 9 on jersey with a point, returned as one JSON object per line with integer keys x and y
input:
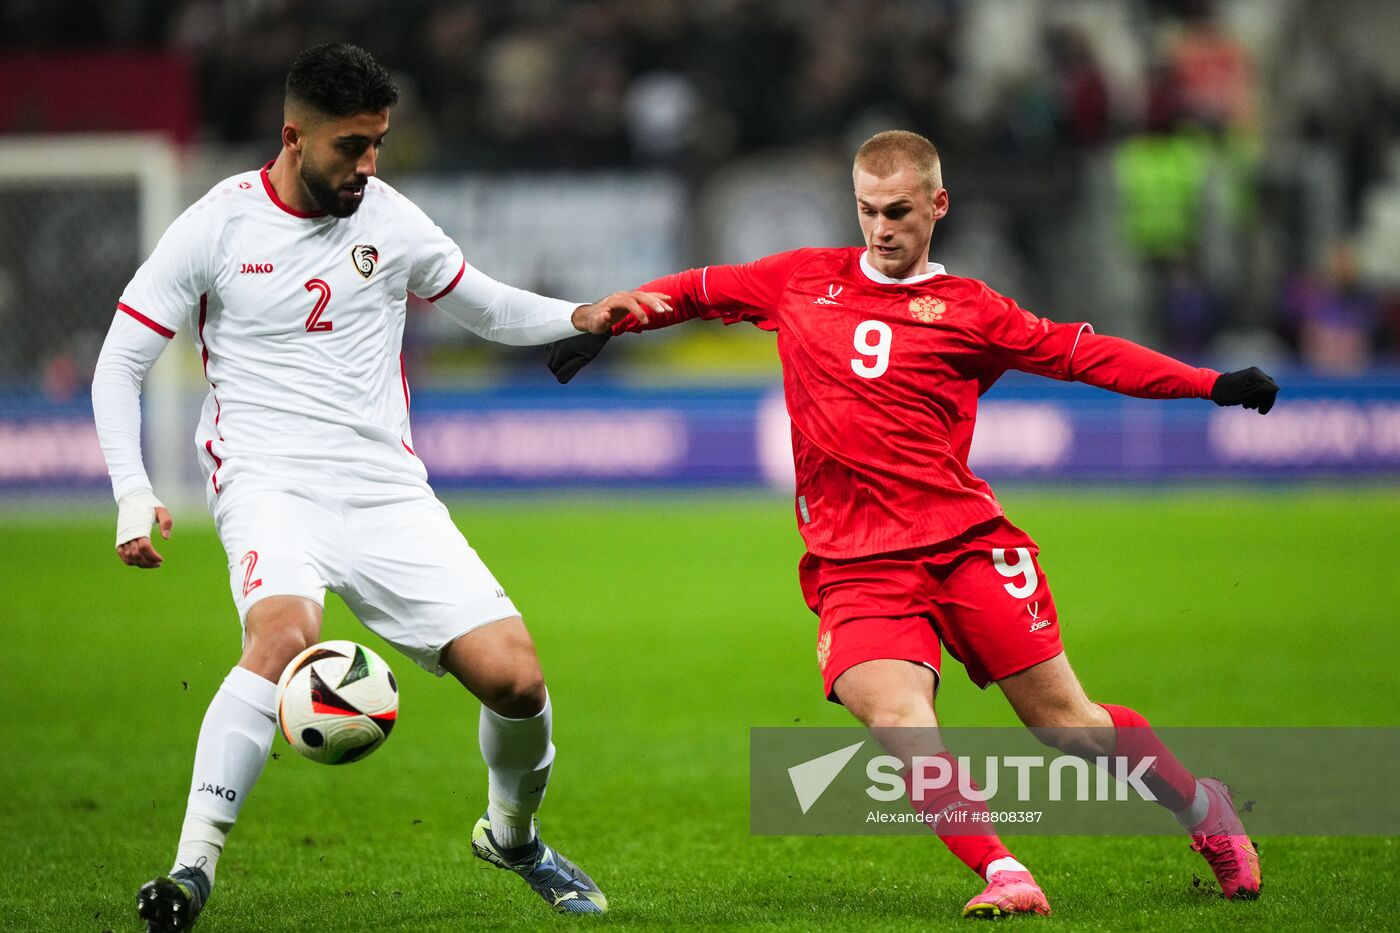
{"x": 872, "y": 339}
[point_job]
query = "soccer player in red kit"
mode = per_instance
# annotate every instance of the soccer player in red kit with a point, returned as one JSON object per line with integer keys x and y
{"x": 884, "y": 356}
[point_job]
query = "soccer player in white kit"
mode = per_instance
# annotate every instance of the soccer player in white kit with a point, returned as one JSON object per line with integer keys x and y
{"x": 293, "y": 280}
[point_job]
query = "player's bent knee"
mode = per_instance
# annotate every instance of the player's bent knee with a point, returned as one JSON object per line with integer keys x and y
{"x": 276, "y": 631}
{"x": 268, "y": 654}
{"x": 896, "y": 711}
{"x": 498, "y": 664}
{"x": 516, "y": 697}
{"x": 898, "y": 718}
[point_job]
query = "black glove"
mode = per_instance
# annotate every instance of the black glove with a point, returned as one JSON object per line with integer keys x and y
{"x": 1250, "y": 387}
{"x": 568, "y": 356}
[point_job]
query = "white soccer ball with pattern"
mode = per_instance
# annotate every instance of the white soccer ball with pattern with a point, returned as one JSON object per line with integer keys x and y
{"x": 337, "y": 702}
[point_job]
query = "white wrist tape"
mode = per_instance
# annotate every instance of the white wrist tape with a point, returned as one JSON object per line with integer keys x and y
{"x": 136, "y": 513}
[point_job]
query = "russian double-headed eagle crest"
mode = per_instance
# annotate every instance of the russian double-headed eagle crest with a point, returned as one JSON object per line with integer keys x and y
{"x": 927, "y": 309}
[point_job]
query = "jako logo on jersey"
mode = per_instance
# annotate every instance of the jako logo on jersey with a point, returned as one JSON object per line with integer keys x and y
{"x": 364, "y": 258}
{"x": 830, "y": 297}
{"x": 1037, "y": 623}
{"x": 927, "y": 309}
{"x": 255, "y": 267}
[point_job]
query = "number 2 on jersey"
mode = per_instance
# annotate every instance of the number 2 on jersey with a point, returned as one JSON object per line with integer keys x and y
{"x": 873, "y": 338}
{"x": 313, "y": 320}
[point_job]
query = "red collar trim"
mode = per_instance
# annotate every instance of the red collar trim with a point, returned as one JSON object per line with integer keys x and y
{"x": 272, "y": 193}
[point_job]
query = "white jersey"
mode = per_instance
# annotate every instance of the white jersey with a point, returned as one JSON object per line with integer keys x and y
{"x": 299, "y": 321}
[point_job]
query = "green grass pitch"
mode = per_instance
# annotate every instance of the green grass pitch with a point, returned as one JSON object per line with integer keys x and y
{"x": 668, "y": 626}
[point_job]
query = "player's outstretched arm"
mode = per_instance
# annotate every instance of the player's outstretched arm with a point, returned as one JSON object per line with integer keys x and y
{"x": 127, "y": 355}
{"x": 568, "y": 356}
{"x": 1131, "y": 369}
{"x": 513, "y": 316}
{"x": 600, "y": 317}
{"x": 732, "y": 293}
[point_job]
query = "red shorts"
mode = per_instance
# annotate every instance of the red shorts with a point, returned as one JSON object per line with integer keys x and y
{"x": 982, "y": 594}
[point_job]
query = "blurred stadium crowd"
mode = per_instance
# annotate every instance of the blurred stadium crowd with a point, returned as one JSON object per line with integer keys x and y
{"x": 1231, "y": 170}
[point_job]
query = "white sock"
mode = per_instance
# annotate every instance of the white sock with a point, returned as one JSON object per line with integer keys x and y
{"x": 234, "y": 743}
{"x": 519, "y": 755}
{"x": 1004, "y": 864}
{"x": 1197, "y": 811}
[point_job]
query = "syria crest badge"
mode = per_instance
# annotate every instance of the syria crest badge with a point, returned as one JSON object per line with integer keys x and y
{"x": 823, "y": 651}
{"x": 365, "y": 258}
{"x": 926, "y": 309}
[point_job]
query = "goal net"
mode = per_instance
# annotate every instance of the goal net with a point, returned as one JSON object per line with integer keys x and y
{"x": 80, "y": 214}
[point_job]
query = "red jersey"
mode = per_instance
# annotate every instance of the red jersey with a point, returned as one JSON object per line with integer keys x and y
{"x": 882, "y": 377}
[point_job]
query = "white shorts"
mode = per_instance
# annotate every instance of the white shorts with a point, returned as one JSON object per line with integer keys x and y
{"x": 393, "y": 555}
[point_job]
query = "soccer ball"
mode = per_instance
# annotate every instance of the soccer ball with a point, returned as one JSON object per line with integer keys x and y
{"x": 337, "y": 702}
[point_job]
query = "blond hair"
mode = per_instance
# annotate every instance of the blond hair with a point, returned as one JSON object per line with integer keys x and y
{"x": 886, "y": 153}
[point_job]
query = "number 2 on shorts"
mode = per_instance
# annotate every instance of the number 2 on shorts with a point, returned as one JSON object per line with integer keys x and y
{"x": 1023, "y": 567}
{"x": 250, "y": 562}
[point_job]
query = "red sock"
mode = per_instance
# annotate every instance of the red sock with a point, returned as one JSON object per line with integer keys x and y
{"x": 956, "y": 817}
{"x": 1168, "y": 779}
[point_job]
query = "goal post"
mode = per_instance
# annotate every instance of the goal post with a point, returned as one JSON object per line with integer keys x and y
{"x": 88, "y": 204}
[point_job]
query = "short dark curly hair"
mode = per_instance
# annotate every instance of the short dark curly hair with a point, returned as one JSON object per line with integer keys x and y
{"x": 340, "y": 80}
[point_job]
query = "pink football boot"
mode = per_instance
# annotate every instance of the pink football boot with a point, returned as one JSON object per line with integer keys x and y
{"x": 1222, "y": 842}
{"x": 1008, "y": 892}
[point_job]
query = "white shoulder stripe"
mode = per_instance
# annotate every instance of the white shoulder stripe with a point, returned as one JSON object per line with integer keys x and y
{"x": 1082, "y": 329}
